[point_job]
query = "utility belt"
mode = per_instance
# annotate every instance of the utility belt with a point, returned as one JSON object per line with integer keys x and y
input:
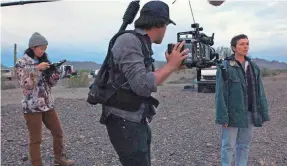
{"x": 117, "y": 118}
{"x": 120, "y": 98}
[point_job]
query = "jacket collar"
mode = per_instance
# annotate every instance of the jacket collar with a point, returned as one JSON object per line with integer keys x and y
{"x": 142, "y": 32}
{"x": 232, "y": 57}
{"x": 233, "y": 62}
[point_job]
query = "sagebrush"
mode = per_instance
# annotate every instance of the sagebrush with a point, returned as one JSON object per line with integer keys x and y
{"x": 82, "y": 80}
{"x": 270, "y": 72}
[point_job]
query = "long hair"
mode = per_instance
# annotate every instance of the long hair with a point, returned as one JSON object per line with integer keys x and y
{"x": 31, "y": 54}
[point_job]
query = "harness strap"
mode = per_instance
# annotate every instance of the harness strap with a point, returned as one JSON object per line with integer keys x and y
{"x": 148, "y": 60}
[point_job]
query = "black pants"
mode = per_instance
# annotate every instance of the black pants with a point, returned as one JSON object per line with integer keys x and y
{"x": 130, "y": 140}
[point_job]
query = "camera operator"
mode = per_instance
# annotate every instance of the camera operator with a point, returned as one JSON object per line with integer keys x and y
{"x": 240, "y": 102}
{"x": 38, "y": 103}
{"x": 129, "y": 131}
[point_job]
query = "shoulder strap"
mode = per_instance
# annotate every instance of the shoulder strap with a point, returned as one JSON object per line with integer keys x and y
{"x": 102, "y": 77}
{"x": 224, "y": 68}
{"x": 146, "y": 48}
{"x": 225, "y": 64}
{"x": 147, "y": 60}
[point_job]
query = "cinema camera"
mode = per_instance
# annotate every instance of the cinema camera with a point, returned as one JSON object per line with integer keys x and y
{"x": 201, "y": 54}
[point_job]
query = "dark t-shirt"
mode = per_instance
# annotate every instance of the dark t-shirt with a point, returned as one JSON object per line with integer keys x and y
{"x": 249, "y": 87}
{"x": 248, "y": 82}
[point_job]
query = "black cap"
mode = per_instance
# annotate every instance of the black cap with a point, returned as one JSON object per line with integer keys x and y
{"x": 156, "y": 8}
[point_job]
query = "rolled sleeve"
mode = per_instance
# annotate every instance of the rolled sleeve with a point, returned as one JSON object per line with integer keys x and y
{"x": 128, "y": 55}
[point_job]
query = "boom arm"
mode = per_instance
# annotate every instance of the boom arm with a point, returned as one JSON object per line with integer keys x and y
{"x": 23, "y": 2}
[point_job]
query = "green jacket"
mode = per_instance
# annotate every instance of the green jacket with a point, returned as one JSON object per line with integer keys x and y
{"x": 231, "y": 95}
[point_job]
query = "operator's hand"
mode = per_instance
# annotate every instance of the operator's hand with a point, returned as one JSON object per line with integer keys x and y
{"x": 176, "y": 57}
{"x": 55, "y": 76}
{"x": 43, "y": 66}
{"x": 225, "y": 125}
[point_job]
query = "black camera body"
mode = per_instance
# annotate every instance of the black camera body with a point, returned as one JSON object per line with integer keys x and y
{"x": 54, "y": 68}
{"x": 201, "y": 54}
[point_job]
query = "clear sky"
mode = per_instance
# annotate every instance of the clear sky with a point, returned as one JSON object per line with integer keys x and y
{"x": 80, "y": 30}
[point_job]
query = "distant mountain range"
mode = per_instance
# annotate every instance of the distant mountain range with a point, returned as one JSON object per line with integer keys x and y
{"x": 88, "y": 65}
{"x": 262, "y": 63}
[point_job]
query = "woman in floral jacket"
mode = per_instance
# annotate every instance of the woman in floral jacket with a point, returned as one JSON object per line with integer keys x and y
{"x": 37, "y": 102}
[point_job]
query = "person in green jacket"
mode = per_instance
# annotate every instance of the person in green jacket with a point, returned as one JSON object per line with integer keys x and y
{"x": 241, "y": 102}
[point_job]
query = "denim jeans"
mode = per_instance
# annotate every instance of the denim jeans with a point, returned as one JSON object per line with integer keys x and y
{"x": 241, "y": 137}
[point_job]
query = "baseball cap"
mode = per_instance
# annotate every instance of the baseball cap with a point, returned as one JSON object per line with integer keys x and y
{"x": 156, "y": 8}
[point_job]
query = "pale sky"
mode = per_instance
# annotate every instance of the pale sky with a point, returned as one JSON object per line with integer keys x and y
{"x": 86, "y": 26}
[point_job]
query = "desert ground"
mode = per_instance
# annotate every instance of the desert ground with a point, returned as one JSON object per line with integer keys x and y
{"x": 183, "y": 130}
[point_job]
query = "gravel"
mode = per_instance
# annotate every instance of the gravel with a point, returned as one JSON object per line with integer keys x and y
{"x": 184, "y": 132}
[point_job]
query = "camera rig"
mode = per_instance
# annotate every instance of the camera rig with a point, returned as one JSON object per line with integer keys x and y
{"x": 201, "y": 54}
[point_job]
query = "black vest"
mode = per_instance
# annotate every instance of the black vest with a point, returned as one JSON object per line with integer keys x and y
{"x": 110, "y": 93}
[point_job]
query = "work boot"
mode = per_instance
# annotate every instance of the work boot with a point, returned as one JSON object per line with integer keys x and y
{"x": 63, "y": 161}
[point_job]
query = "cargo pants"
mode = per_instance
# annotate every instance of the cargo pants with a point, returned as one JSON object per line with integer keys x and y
{"x": 34, "y": 125}
{"x": 130, "y": 140}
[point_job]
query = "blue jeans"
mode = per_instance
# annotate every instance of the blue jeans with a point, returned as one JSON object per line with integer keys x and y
{"x": 241, "y": 137}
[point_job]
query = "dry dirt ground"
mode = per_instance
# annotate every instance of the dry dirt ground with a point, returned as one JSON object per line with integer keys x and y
{"x": 184, "y": 132}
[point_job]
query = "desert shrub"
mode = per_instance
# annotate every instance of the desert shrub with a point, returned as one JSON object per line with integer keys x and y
{"x": 265, "y": 72}
{"x": 82, "y": 80}
{"x": 282, "y": 70}
{"x": 269, "y": 72}
{"x": 274, "y": 72}
{"x": 85, "y": 70}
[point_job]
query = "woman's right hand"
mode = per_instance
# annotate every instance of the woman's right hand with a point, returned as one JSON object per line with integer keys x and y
{"x": 43, "y": 66}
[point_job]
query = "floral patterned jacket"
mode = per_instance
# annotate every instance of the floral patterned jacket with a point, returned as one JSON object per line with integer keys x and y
{"x": 36, "y": 89}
